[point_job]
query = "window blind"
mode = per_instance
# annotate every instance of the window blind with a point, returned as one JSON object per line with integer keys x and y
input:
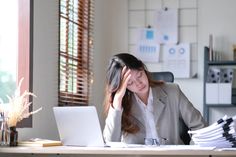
{"x": 76, "y": 52}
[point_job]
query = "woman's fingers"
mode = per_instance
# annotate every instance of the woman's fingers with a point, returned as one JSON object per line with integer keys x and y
{"x": 125, "y": 76}
{"x": 124, "y": 69}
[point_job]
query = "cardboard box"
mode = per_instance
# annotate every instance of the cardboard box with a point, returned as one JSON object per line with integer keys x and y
{"x": 225, "y": 93}
{"x": 218, "y": 93}
{"x": 212, "y": 93}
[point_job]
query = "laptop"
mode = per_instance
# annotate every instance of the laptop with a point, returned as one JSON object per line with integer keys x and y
{"x": 78, "y": 126}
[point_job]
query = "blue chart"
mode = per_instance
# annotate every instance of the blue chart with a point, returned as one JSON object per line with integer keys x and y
{"x": 147, "y": 47}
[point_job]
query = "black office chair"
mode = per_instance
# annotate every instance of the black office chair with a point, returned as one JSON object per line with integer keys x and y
{"x": 167, "y": 76}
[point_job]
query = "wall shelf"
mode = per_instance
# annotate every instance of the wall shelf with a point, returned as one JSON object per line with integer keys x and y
{"x": 221, "y": 63}
{"x": 207, "y": 65}
{"x": 221, "y": 105}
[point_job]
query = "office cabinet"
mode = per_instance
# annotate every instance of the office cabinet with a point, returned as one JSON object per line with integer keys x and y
{"x": 217, "y": 95}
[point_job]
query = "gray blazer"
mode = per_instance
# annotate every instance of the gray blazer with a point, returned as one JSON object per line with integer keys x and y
{"x": 170, "y": 104}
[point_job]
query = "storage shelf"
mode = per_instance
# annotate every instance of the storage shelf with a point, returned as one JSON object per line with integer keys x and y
{"x": 221, "y": 105}
{"x": 222, "y": 63}
{"x": 207, "y": 65}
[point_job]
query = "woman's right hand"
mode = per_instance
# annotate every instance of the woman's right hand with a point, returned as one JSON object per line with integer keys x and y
{"x": 125, "y": 74}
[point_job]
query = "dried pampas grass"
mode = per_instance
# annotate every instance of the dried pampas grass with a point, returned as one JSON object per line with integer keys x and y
{"x": 19, "y": 106}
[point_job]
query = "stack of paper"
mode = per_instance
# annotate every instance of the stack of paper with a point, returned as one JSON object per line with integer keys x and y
{"x": 221, "y": 134}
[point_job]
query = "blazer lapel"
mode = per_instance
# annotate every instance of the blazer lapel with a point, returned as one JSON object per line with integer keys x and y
{"x": 159, "y": 101}
{"x": 159, "y": 104}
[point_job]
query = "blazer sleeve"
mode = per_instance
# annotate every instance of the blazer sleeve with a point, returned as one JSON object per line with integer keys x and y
{"x": 112, "y": 129}
{"x": 190, "y": 115}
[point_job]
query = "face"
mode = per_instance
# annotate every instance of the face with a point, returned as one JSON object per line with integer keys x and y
{"x": 138, "y": 82}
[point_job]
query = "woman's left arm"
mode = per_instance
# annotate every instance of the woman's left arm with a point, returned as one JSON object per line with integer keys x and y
{"x": 190, "y": 115}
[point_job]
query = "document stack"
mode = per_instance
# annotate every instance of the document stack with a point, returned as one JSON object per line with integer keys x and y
{"x": 221, "y": 134}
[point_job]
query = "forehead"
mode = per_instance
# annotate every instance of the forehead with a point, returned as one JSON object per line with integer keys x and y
{"x": 134, "y": 73}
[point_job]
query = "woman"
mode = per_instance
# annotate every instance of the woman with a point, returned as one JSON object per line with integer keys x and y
{"x": 143, "y": 111}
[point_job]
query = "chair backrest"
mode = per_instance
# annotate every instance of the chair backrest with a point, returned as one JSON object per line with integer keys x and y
{"x": 164, "y": 76}
{"x": 183, "y": 128}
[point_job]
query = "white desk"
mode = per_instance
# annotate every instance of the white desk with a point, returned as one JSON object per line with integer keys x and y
{"x": 80, "y": 151}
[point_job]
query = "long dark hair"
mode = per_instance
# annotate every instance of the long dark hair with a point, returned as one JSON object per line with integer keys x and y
{"x": 113, "y": 82}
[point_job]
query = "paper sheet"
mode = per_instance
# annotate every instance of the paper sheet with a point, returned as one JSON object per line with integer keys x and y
{"x": 159, "y": 147}
{"x": 176, "y": 59}
{"x": 167, "y": 26}
{"x": 184, "y": 147}
{"x": 147, "y": 48}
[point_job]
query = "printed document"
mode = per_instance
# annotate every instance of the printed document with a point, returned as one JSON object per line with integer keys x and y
{"x": 166, "y": 22}
{"x": 176, "y": 59}
{"x": 147, "y": 48}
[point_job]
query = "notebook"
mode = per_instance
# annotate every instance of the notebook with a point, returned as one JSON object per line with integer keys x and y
{"x": 78, "y": 126}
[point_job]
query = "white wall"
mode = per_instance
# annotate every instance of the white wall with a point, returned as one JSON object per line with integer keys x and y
{"x": 102, "y": 47}
{"x": 110, "y": 38}
{"x": 45, "y": 69}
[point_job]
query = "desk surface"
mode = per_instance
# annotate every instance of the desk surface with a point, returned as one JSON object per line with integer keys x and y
{"x": 114, "y": 151}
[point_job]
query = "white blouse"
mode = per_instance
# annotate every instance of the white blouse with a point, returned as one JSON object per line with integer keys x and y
{"x": 147, "y": 115}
